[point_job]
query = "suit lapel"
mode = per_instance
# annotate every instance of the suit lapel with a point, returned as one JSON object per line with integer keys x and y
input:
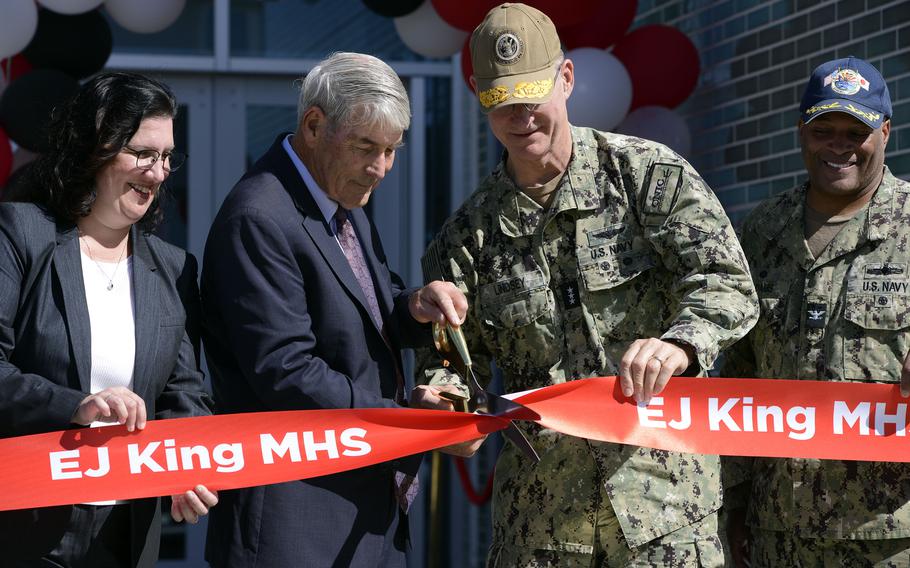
{"x": 279, "y": 163}
{"x": 68, "y": 266}
{"x": 146, "y": 306}
{"x": 328, "y": 247}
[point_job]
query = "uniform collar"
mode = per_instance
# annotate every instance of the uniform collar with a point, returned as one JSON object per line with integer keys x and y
{"x": 785, "y": 223}
{"x": 520, "y": 216}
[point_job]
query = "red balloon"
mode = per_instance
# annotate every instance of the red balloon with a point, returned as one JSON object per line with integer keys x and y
{"x": 662, "y": 63}
{"x": 464, "y": 14}
{"x": 606, "y": 25}
{"x": 565, "y": 13}
{"x": 467, "y": 68}
{"x": 15, "y": 67}
{"x": 6, "y": 158}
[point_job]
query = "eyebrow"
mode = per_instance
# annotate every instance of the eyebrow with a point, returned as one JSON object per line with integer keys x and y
{"x": 141, "y": 148}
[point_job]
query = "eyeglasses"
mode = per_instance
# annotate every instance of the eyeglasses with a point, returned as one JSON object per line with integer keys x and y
{"x": 146, "y": 159}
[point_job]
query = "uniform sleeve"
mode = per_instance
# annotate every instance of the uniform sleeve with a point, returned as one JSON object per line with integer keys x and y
{"x": 736, "y": 471}
{"x": 453, "y": 263}
{"x": 687, "y": 226}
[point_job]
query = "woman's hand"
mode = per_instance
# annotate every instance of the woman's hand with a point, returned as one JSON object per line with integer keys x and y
{"x": 190, "y": 505}
{"x": 114, "y": 404}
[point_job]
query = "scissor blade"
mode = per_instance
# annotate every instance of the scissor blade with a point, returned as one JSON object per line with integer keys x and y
{"x": 499, "y": 406}
{"x": 516, "y": 437}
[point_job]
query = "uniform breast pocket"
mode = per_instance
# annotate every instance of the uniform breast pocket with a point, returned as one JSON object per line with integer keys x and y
{"x": 772, "y": 313}
{"x": 521, "y": 325}
{"x": 876, "y": 338}
{"x": 615, "y": 288}
{"x": 769, "y": 332}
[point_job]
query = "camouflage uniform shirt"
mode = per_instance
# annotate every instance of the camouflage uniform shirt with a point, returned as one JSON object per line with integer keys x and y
{"x": 634, "y": 245}
{"x": 844, "y": 316}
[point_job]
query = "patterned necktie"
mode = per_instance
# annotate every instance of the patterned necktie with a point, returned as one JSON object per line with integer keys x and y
{"x": 406, "y": 485}
{"x": 354, "y": 253}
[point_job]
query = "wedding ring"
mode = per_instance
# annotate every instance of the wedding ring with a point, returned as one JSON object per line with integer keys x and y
{"x": 659, "y": 360}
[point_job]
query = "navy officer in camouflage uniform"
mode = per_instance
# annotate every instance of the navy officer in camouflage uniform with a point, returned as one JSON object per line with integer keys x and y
{"x": 586, "y": 254}
{"x": 831, "y": 263}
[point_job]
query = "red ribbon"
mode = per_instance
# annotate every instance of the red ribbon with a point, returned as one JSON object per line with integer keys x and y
{"x": 757, "y": 417}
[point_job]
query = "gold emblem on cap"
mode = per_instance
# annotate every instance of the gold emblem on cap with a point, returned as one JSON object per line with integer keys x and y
{"x": 873, "y": 116}
{"x": 522, "y": 90}
{"x": 508, "y": 48}
{"x": 819, "y": 108}
{"x": 493, "y": 96}
{"x": 869, "y": 115}
{"x": 533, "y": 89}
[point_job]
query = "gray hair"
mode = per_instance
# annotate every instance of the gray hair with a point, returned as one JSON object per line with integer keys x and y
{"x": 354, "y": 89}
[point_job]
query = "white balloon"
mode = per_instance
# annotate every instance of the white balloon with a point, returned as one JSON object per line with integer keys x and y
{"x": 659, "y": 124}
{"x": 144, "y": 16}
{"x": 603, "y": 89}
{"x": 425, "y": 33}
{"x": 70, "y": 7}
{"x": 17, "y": 26}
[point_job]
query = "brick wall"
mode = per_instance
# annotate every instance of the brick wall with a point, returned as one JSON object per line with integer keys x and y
{"x": 756, "y": 57}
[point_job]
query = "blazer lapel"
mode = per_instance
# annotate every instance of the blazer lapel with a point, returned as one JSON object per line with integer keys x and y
{"x": 68, "y": 266}
{"x": 278, "y": 162}
{"x": 328, "y": 247}
{"x": 145, "y": 310}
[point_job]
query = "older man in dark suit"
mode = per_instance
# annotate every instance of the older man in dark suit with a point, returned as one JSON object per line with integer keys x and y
{"x": 302, "y": 312}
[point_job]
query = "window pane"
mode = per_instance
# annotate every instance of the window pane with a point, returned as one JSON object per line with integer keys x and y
{"x": 312, "y": 29}
{"x": 263, "y": 125}
{"x": 174, "y": 202}
{"x": 191, "y": 34}
{"x": 438, "y": 152}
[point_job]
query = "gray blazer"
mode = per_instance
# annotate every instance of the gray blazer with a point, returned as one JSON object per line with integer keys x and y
{"x": 45, "y": 352}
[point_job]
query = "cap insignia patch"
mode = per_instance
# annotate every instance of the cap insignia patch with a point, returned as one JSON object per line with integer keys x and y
{"x": 508, "y": 48}
{"x": 846, "y": 82}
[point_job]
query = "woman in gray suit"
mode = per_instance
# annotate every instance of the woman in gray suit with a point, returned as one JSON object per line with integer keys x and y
{"x": 98, "y": 318}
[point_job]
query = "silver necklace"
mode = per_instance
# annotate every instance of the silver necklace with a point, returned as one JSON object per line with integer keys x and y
{"x": 110, "y": 277}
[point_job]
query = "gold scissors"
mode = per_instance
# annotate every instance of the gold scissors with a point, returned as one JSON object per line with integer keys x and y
{"x": 451, "y": 344}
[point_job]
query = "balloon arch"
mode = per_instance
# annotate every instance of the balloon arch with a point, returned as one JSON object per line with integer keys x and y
{"x": 46, "y": 46}
{"x": 628, "y": 82}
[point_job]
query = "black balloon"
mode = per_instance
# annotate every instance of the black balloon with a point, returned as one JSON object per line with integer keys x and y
{"x": 78, "y": 45}
{"x": 27, "y": 104}
{"x": 393, "y": 8}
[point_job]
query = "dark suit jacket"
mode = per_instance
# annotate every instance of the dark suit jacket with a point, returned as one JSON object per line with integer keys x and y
{"x": 45, "y": 352}
{"x": 286, "y": 327}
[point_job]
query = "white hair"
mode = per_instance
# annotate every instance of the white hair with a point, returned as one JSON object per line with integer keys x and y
{"x": 354, "y": 89}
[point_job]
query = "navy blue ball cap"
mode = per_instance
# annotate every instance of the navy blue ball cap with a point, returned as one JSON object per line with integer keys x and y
{"x": 848, "y": 85}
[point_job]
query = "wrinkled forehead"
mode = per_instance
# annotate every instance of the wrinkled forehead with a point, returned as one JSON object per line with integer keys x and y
{"x": 376, "y": 134}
